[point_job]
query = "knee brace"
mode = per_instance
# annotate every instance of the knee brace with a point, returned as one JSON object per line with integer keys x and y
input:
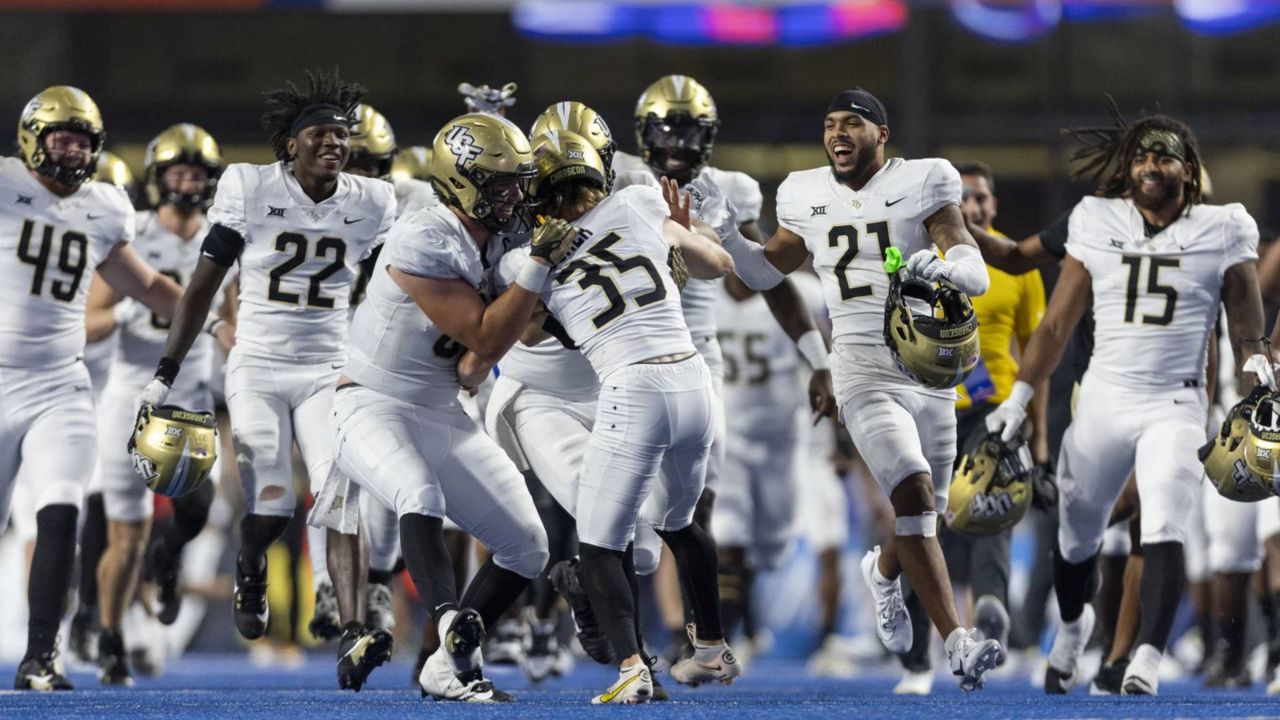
{"x": 925, "y": 524}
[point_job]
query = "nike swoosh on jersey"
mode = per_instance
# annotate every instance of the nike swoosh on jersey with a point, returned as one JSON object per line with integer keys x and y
{"x": 349, "y": 221}
{"x": 91, "y": 216}
{"x": 895, "y": 202}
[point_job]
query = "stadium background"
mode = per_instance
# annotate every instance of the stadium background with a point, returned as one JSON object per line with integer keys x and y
{"x": 963, "y": 79}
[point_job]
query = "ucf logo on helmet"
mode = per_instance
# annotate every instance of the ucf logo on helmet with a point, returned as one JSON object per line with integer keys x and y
{"x": 463, "y": 145}
{"x": 990, "y": 506}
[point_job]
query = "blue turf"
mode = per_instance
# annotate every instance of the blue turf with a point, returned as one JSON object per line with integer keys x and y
{"x": 227, "y": 686}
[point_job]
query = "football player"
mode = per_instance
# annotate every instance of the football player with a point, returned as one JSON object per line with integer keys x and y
{"x": 676, "y": 122}
{"x": 298, "y": 228}
{"x": 373, "y": 154}
{"x": 182, "y": 166}
{"x": 654, "y": 409}
{"x": 401, "y": 433}
{"x": 1157, "y": 263}
{"x": 60, "y": 227}
{"x": 846, "y": 215}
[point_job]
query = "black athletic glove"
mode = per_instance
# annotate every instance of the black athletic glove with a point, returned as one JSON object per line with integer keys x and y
{"x": 1044, "y": 487}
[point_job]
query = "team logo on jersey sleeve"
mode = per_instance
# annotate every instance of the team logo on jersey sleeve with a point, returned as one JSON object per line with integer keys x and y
{"x": 463, "y": 145}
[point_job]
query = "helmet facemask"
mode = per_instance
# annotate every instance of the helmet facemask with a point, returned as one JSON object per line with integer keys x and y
{"x": 497, "y": 190}
{"x": 679, "y": 138}
{"x": 63, "y": 174}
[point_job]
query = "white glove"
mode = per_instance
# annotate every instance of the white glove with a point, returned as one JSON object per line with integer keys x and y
{"x": 1008, "y": 417}
{"x": 1261, "y": 367}
{"x": 708, "y": 204}
{"x": 925, "y": 264}
{"x": 153, "y": 395}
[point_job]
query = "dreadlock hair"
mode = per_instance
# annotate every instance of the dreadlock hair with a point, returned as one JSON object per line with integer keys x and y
{"x": 1105, "y": 152}
{"x": 285, "y": 105}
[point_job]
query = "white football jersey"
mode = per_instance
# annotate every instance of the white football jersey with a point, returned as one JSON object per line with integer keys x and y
{"x": 394, "y": 347}
{"x": 761, "y": 366}
{"x": 300, "y": 257}
{"x": 551, "y": 367}
{"x": 413, "y": 195}
{"x": 141, "y": 336}
{"x": 49, "y": 248}
{"x": 1155, "y": 299}
{"x": 699, "y": 297}
{"x": 614, "y": 294}
{"x": 847, "y": 232}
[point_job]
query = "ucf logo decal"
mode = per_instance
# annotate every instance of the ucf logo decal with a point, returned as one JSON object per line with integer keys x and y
{"x": 463, "y": 145}
{"x": 990, "y": 506}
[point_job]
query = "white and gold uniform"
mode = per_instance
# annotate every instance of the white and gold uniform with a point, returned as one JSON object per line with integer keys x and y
{"x": 49, "y": 248}
{"x": 1142, "y": 403}
{"x": 899, "y": 427}
{"x": 401, "y": 433}
{"x": 296, "y": 270}
{"x": 615, "y": 298}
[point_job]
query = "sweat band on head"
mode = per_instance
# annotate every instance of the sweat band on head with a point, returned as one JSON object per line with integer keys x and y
{"x": 861, "y": 102}
{"x": 1161, "y": 142}
{"x": 319, "y": 114}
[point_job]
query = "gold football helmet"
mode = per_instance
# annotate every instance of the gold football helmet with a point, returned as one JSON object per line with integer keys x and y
{"x": 373, "y": 144}
{"x": 1261, "y": 445}
{"x": 1223, "y": 455}
{"x": 113, "y": 170}
{"x": 182, "y": 144}
{"x": 412, "y": 163}
{"x": 676, "y": 124}
{"x": 480, "y": 163}
{"x": 991, "y": 488}
{"x": 174, "y": 449}
{"x": 577, "y": 118}
{"x": 560, "y": 156}
{"x": 60, "y": 107}
{"x": 938, "y": 349}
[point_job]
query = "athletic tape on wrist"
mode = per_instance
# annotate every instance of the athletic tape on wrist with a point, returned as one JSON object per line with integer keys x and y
{"x": 924, "y": 524}
{"x": 813, "y": 350}
{"x": 533, "y": 275}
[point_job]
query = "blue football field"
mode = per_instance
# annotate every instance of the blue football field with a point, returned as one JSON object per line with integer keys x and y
{"x": 211, "y": 686}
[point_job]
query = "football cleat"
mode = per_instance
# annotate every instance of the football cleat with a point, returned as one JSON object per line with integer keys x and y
{"x": 634, "y": 686}
{"x": 709, "y": 663}
{"x": 250, "y": 606}
{"x": 970, "y": 658}
{"x": 914, "y": 682}
{"x": 325, "y": 623}
{"x": 1142, "y": 677}
{"x": 442, "y": 681}
{"x": 84, "y": 633}
{"x": 41, "y": 673}
{"x": 113, "y": 664}
{"x": 380, "y": 613}
{"x": 167, "y": 570}
{"x": 893, "y": 623}
{"x": 359, "y": 652}
{"x": 505, "y": 645}
{"x": 1062, "y": 673}
{"x": 538, "y": 656}
{"x": 566, "y": 577}
{"x": 1108, "y": 679}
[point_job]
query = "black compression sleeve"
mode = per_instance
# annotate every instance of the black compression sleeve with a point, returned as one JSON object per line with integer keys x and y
{"x": 222, "y": 245}
{"x": 1054, "y": 237}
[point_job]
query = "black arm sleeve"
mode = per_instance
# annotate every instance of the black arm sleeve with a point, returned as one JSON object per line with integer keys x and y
{"x": 222, "y": 246}
{"x": 1054, "y": 238}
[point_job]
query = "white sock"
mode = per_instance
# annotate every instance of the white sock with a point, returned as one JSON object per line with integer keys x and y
{"x": 879, "y": 578}
{"x": 443, "y": 626}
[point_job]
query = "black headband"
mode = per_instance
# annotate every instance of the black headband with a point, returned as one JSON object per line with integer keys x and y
{"x": 1161, "y": 142}
{"x": 861, "y": 102}
{"x": 319, "y": 114}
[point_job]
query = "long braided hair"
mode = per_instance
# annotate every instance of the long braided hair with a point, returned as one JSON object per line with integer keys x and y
{"x": 1105, "y": 152}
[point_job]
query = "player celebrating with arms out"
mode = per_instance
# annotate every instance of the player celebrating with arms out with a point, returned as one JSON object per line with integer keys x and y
{"x": 1157, "y": 263}
{"x": 847, "y": 215}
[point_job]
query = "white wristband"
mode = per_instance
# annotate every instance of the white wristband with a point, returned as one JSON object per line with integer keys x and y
{"x": 813, "y": 349}
{"x": 211, "y": 325}
{"x": 1021, "y": 393}
{"x": 533, "y": 275}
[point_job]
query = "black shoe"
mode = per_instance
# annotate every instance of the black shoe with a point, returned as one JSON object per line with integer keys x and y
{"x": 1109, "y": 678}
{"x": 480, "y": 686}
{"x": 1057, "y": 682}
{"x": 250, "y": 609}
{"x": 660, "y": 693}
{"x": 166, "y": 570}
{"x": 566, "y": 577}
{"x": 464, "y": 636}
{"x": 112, "y": 661}
{"x": 359, "y": 652}
{"x": 41, "y": 673}
{"x": 1230, "y": 676}
{"x": 84, "y": 633}
{"x": 325, "y": 623}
